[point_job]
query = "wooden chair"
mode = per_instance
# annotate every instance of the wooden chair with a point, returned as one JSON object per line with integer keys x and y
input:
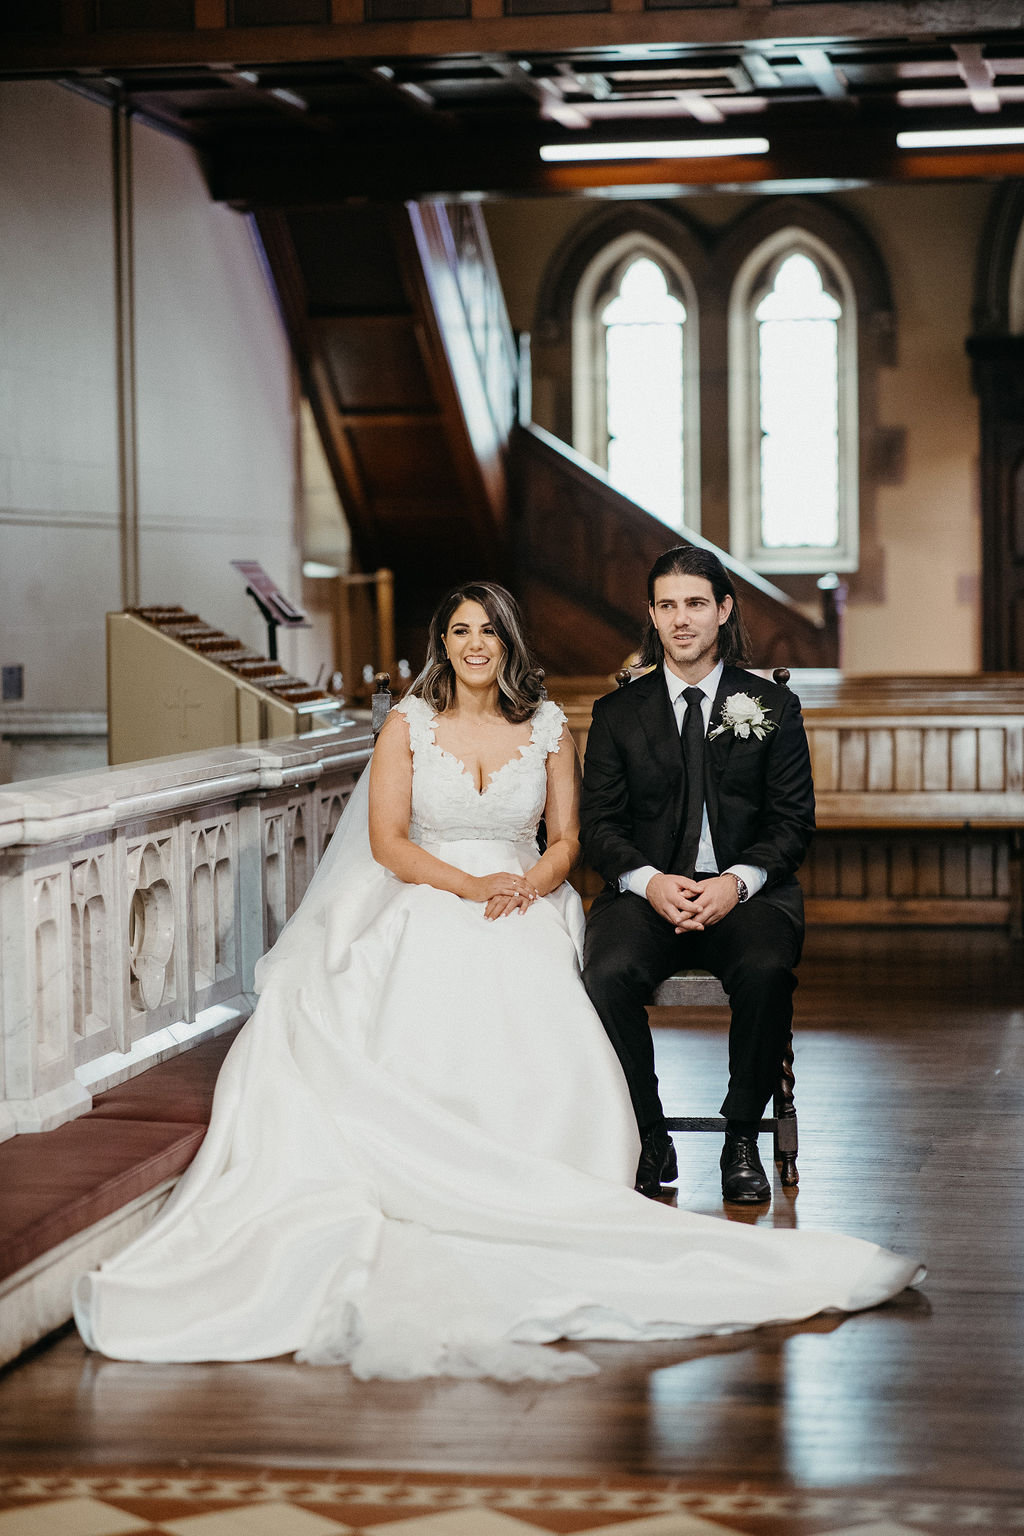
{"x": 380, "y": 703}
{"x": 699, "y": 989}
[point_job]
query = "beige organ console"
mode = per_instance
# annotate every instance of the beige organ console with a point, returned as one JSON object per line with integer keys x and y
{"x": 178, "y": 684}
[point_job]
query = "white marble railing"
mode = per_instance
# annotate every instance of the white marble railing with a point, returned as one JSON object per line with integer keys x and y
{"x": 34, "y": 742}
{"x": 135, "y": 902}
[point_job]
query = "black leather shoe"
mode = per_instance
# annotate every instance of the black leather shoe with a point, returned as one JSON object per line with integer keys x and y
{"x": 744, "y": 1181}
{"x": 657, "y": 1163}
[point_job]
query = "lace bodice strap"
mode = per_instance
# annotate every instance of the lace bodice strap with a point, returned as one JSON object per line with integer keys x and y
{"x": 547, "y": 726}
{"x": 418, "y": 717}
{"x": 546, "y": 731}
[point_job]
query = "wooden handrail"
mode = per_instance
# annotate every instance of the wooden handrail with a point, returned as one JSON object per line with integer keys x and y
{"x": 584, "y": 541}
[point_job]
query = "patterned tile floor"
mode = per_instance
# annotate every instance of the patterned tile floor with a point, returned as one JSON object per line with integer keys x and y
{"x": 273, "y": 1503}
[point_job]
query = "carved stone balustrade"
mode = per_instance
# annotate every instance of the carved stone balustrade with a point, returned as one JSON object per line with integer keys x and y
{"x": 135, "y": 902}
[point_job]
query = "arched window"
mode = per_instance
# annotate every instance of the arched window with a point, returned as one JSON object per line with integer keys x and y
{"x": 635, "y": 376}
{"x": 643, "y": 349}
{"x": 793, "y": 408}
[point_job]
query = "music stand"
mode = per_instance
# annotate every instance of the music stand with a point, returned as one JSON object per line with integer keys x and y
{"x": 272, "y": 603}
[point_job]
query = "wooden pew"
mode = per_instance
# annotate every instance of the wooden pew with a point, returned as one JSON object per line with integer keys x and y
{"x": 920, "y": 794}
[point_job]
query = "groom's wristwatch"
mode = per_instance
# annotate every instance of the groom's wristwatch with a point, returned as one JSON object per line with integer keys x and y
{"x": 742, "y": 894}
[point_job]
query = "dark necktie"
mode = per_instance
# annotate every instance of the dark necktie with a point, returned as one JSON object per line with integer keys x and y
{"x": 692, "y": 742}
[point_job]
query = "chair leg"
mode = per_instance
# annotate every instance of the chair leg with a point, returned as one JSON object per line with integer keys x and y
{"x": 786, "y": 1145}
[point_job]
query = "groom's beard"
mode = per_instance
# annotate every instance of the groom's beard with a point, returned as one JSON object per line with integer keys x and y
{"x": 684, "y": 654}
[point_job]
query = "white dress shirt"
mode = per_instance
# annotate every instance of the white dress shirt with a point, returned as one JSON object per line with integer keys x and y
{"x": 753, "y": 877}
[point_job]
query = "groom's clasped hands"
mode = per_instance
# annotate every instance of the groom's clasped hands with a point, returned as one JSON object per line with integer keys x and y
{"x": 692, "y": 905}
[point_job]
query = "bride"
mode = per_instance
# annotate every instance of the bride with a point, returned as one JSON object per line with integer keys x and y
{"x": 421, "y": 1155}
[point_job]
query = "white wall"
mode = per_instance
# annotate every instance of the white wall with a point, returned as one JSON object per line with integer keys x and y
{"x": 927, "y": 617}
{"x": 216, "y": 414}
{"x": 59, "y": 560}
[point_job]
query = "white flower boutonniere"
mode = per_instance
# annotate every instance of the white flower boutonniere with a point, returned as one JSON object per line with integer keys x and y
{"x": 743, "y": 715}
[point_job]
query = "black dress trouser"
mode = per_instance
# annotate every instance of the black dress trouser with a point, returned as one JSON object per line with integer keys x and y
{"x": 629, "y": 950}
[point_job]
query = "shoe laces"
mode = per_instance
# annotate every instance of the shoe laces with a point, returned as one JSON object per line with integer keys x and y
{"x": 744, "y": 1150}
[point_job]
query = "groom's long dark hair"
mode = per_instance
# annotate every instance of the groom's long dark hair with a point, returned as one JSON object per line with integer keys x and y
{"x": 690, "y": 560}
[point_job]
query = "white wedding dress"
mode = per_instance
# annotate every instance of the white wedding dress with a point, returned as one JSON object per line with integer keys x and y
{"x": 422, "y": 1150}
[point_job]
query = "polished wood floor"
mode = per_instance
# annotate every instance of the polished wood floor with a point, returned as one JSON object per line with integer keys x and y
{"x": 909, "y": 1085}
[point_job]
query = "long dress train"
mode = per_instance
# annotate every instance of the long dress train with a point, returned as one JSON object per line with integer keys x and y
{"x": 421, "y": 1153}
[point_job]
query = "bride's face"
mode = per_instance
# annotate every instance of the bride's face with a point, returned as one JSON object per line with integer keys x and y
{"x": 473, "y": 647}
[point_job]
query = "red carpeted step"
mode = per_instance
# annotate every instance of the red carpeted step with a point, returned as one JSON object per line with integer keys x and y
{"x": 57, "y": 1183}
{"x": 180, "y": 1089}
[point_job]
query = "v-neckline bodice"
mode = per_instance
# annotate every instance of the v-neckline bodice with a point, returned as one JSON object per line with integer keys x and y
{"x": 464, "y": 772}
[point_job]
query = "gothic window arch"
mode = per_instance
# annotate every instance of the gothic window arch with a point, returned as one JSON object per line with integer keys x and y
{"x": 635, "y": 373}
{"x": 793, "y": 407}
{"x": 721, "y": 272}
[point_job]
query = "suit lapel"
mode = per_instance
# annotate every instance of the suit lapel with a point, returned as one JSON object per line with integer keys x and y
{"x": 657, "y": 720}
{"x": 716, "y": 752}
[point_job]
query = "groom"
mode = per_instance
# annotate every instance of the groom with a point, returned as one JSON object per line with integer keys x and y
{"x": 698, "y": 807}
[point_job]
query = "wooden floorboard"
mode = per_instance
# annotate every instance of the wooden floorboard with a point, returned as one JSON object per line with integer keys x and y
{"x": 910, "y": 1063}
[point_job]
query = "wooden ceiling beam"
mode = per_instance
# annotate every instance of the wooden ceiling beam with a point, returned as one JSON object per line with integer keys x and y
{"x": 809, "y": 25}
{"x": 255, "y": 174}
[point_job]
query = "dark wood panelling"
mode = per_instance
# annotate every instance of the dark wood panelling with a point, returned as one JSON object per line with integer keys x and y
{"x": 375, "y": 363}
{"x": 32, "y": 16}
{"x": 553, "y": 7}
{"x": 689, "y": 5}
{"x": 405, "y": 460}
{"x": 416, "y": 10}
{"x": 568, "y": 636}
{"x": 144, "y": 15}
{"x": 349, "y": 262}
{"x": 936, "y": 877}
{"x": 998, "y": 371}
{"x": 278, "y": 13}
{"x": 576, "y": 535}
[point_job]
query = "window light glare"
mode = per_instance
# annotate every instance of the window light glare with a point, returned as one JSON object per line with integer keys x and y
{"x": 957, "y": 138}
{"x": 656, "y": 149}
{"x": 644, "y": 390}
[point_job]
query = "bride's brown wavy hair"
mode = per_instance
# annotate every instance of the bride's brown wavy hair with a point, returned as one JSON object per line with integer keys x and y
{"x": 520, "y": 680}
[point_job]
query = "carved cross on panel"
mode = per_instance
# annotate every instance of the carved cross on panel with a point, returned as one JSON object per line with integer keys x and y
{"x": 180, "y": 700}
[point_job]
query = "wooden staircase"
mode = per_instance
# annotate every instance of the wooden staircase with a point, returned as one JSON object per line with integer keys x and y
{"x": 582, "y": 554}
{"x": 398, "y": 323}
{"x": 386, "y": 309}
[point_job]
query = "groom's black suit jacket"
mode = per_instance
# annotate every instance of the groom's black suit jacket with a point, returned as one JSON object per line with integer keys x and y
{"x": 759, "y": 793}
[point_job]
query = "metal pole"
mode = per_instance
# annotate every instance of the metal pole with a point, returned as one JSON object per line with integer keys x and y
{"x": 124, "y": 315}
